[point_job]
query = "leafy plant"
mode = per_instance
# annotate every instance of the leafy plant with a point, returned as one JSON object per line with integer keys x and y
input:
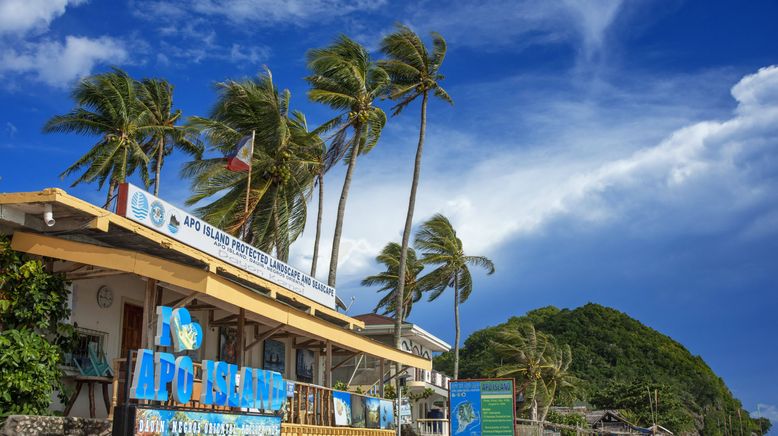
{"x": 33, "y": 335}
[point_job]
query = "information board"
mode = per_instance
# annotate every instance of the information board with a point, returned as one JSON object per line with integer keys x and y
{"x": 482, "y": 407}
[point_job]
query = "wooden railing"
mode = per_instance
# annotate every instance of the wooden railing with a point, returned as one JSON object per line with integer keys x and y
{"x": 310, "y": 430}
{"x": 432, "y": 427}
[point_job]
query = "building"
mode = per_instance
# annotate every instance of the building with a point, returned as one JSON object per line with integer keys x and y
{"x": 122, "y": 269}
{"x": 428, "y": 386}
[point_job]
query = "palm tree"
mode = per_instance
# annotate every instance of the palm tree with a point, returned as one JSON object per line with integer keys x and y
{"x": 107, "y": 106}
{"x": 540, "y": 366}
{"x": 414, "y": 72}
{"x": 156, "y": 97}
{"x": 281, "y": 173}
{"x": 525, "y": 350}
{"x": 316, "y": 156}
{"x": 388, "y": 280}
{"x": 346, "y": 79}
{"x": 440, "y": 245}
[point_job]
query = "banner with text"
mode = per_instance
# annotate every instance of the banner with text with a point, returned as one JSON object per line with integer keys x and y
{"x": 163, "y": 422}
{"x": 482, "y": 407}
{"x": 144, "y": 208}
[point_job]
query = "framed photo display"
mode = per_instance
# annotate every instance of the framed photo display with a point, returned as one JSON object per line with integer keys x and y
{"x": 274, "y": 356}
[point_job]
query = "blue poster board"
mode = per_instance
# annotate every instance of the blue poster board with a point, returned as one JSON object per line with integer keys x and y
{"x": 164, "y": 422}
{"x": 482, "y": 407}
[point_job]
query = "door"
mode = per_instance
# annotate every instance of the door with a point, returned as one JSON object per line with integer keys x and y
{"x": 132, "y": 328}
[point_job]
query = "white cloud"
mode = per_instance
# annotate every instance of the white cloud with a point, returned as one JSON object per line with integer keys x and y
{"x": 251, "y": 55}
{"x": 695, "y": 179}
{"x": 263, "y": 12}
{"x": 524, "y": 22}
{"x": 768, "y": 411}
{"x": 22, "y": 16}
{"x": 59, "y": 64}
{"x": 10, "y": 129}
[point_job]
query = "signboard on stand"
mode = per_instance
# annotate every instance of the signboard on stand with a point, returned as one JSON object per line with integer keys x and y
{"x": 161, "y": 216}
{"x": 482, "y": 407}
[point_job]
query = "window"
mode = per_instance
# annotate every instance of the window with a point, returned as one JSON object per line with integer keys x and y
{"x": 80, "y": 354}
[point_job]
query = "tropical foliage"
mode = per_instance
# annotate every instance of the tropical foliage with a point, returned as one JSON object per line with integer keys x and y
{"x": 413, "y": 71}
{"x": 539, "y": 365}
{"x": 283, "y": 165}
{"x": 107, "y": 106}
{"x": 346, "y": 79}
{"x": 388, "y": 280}
{"x": 33, "y": 308}
{"x": 442, "y": 249}
{"x": 618, "y": 361}
{"x": 156, "y": 98}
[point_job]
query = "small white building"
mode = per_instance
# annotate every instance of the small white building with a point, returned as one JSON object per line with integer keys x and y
{"x": 366, "y": 373}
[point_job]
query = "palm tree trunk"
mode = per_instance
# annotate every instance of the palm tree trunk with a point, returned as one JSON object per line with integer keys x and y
{"x": 342, "y": 206}
{"x": 158, "y": 170}
{"x": 318, "y": 225}
{"x": 400, "y": 297}
{"x": 456, "y": 323}
{"x": 111, "y": 189}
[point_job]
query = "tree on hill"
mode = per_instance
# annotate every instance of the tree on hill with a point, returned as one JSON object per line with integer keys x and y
{"x": 538, "y": 364}
{"x": 615, "y": 357}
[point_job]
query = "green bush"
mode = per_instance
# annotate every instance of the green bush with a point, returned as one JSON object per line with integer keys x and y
{"x": 28, "y": 372}
{"x": 33, "y": 334}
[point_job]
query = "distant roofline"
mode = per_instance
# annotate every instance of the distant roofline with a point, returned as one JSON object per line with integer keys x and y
{"x": 433, "y": 342}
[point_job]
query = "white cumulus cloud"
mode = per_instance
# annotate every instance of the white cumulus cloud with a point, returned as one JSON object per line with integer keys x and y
{"x": 696, "y": 179}
{"x": 22, "y": 16}
{"x": 58, "y": 64}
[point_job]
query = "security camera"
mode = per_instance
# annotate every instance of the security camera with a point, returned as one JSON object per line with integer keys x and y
{"x": 48, "y": 215}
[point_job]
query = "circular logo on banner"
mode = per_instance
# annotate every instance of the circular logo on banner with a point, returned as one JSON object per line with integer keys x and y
{"x": 139, "y": 206}
{"x": 157, "y": 215}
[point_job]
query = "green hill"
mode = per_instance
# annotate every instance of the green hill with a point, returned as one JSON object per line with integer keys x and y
{"x": 618, "y": 361}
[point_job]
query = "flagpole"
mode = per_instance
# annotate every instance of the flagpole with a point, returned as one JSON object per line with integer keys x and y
{"x": 248, "y": 179}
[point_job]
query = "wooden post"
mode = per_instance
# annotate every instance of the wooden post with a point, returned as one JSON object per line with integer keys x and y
{"x": 328, "y": 365}
{"x": 381, "y": 378}
{"x": 147, "y": 336}
{"x": 241, "y": 328}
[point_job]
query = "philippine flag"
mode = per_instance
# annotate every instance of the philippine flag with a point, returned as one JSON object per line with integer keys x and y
{"x": 240, "y": 160}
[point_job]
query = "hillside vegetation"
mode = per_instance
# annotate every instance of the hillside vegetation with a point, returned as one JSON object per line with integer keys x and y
{"x": 617, "y": 361}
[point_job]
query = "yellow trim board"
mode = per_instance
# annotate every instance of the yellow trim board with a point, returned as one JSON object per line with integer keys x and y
{"x": 103, "y": 217}
{"x": 208, "y": 283}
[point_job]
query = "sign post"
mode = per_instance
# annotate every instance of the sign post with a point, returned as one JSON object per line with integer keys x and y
{"x": 483, "y": 407}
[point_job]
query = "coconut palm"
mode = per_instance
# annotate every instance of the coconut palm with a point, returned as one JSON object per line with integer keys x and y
{"x": 441, "y": 247}
{"x": 388, "y": 280}
{"x": 316, "y": 155}
{"x": 107, "y": 106}
{"x": 347, "y": 80}
{"x": 156, "y": 97}
{"x": 281, "y": 173}
{"x": 539, "y": 365}
{"x": 414, "y": 72}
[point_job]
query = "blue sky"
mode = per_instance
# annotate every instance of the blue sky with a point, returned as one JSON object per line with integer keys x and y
{"x": 622, "y": 153}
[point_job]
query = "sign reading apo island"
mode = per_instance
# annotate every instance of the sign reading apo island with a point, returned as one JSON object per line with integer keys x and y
{"x": 482, "y": 407}
{"x": 144, "y": 208}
